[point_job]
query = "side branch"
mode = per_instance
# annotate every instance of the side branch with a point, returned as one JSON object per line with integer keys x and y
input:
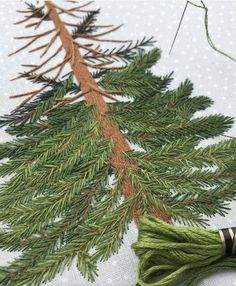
{"x": 30, "y": 16}
{"x": 37, "y": 67}
{"x": 101, "y": 34}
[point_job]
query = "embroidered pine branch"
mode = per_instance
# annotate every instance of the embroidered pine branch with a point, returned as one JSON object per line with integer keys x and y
{"x": 75, "y": 183}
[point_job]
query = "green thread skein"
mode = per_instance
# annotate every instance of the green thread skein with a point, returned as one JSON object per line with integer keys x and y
{"x": 178, "y": 255}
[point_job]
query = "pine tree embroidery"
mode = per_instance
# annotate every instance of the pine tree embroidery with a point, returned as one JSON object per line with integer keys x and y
{"x": 75, "y": 182}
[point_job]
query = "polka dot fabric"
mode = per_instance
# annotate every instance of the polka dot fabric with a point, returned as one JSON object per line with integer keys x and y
{"x": 212, "y": 74}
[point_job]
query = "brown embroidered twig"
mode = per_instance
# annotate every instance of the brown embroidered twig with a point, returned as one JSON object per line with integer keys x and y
{"x": 102, "y": 65}
{"x": 102, "y": 34}
{"x": 64, "y": 101}
{"x": 91, "y": 26}
{"x": 94, "y": 38}
{"x": 30, "y": 16}
{"x": 37, "y": 67}
{"x": 41, "y": 20}
{"x": 102, "y": 92}
{"x": 87, "y": 47}
{"x": 36, "y": 36}
{"x": 52, "y": 41}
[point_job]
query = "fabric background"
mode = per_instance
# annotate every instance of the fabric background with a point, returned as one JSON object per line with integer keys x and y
{"x": 212, "y": 74}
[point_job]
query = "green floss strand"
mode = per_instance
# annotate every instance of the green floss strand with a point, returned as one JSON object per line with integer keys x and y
{"x": 177, "y": 255}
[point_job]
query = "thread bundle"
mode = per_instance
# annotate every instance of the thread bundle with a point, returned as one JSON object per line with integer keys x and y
{"x": 176, "y": 255}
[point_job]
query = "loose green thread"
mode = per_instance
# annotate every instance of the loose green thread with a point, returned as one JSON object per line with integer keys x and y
{"x": 176, "y": 255}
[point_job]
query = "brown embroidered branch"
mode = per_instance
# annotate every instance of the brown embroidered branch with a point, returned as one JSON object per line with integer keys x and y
{"x": 30, "y": 16}
{"x": 102, "y": 65}
{"x": 88, "y": 25}
{"x": 102, "y": 34}
{"x": 53, "y": 39}
{"x": 94, "y": 96}
{"x": 64, "y": 101}
{"x": 38, "y": 48}
{"x": 89, "y": 88}
{"x": 24, "y": 47}
{"x": 43, "y": 88}
{"x": 36, "y": 36}
{"x": 94, "y": 38}
{"x": 37, "y": 67}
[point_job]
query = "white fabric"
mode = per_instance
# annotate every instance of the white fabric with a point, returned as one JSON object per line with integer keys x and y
{"x": 212, "y": 74}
